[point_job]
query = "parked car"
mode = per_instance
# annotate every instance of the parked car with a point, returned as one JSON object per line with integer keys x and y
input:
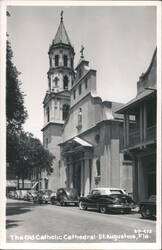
{"x": 31, "y": 195}
{"x": 22, "y": 194}
{"x": 12, "y": 194}
{"x": 67, "y": 196}
{"x": 107, "y": 200}
{"x": 53, "y": 198}
{"x": 148, "y": 207}
{"x": 44, "y": 196}
{"x": 18, "y": 193}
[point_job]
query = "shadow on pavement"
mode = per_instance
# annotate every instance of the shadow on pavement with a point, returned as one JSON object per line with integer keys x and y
{"x": 15, "y": 208}
{"x": 12, "y": 223}
{"x": 18, "y": 208}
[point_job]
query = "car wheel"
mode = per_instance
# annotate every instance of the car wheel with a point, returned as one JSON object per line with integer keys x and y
{"x": 145, "y": 212}
{"x": 82, "y": 206}
{"x": 103, "y": 210}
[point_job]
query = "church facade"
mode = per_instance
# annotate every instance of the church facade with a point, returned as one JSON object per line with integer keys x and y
{"x": 83, "y": 132}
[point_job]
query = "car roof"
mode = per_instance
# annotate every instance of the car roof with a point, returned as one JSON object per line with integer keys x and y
{"x": 66, "y": 188}
{"x": 107, "y": 188}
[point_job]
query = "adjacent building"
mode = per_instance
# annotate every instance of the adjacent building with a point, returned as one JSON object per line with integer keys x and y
{"x": 140, "y": 135}
{"x": 83, "y": 132}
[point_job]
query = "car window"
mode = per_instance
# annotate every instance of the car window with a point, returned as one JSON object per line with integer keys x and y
{"x": 116, "y": 191}
{"x": 96, "y": 192}
{"x": 60, "y": 191}
{"x": 71, "y": 191}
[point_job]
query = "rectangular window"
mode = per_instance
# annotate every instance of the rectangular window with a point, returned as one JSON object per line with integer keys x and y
{"x": 86, "y": 83}
{"x": 74, "y": 94}
{"x": 80, "y": 89}
{"x": 46, "y": 142}
{"x": 48, "y": 114}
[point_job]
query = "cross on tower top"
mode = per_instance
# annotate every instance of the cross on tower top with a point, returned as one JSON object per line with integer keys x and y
{"x": 81, "y": 52}
{"x": 62, "y": 15}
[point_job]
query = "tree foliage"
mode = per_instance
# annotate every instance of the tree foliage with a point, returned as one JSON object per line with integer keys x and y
{"x": 32, "y": 154}
{"x": 15, "y": 110}
{"x": 24, "y": 152}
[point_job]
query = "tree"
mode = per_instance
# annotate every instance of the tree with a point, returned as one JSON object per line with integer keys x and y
{"x": 31, "y": 154}
{"x": 15, "y": 111}
{"x": 24, "y": 152}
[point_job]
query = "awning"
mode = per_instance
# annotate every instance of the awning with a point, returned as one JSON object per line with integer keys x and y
{"x": 11, "y": 183}
{"x": 82, "y": 142}
{"x": 35, "y": 184}
{"x": 76, "y": 145}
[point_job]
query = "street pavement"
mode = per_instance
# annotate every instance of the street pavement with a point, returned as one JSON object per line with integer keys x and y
{"x": 35, "y": 223}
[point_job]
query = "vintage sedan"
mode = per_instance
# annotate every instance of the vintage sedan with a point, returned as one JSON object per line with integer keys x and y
{"x": 53, "y": 198}
{"x": 31, "y": 195}
{"x": 67, "y": 196}
{"x": 12, "y": 194}
{"x": 148, "y": 207}
{"x": 44, "y": 196}
{"x": 107, "y": 200}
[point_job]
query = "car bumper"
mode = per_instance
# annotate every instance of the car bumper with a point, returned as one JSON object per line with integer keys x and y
{"x": 121, "y": 206}
{"x": 71, "y": 202}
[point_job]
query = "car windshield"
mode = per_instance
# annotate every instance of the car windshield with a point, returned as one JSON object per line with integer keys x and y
{"x": 106, "y": 191}
{"x": 71, "y": 191}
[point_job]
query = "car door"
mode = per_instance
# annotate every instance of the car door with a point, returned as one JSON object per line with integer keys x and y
{"x": 93, "y": 198}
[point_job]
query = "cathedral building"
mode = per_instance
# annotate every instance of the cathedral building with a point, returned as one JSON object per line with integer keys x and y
{"x": 83, "y": 132}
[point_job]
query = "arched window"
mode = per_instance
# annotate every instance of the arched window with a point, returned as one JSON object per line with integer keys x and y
{"x": 65, "y": 111}
{"x": 72, "y": 62}
{"x": 98, "y": 167}
{"x": 50, "y": 62}
{"x": 66, "y": 80}
{"x": 56, "y": 60}
{"x": 56, "y": 79}
{"x": 65, "y": 60}
{"x": 49, "y": 83}
{"x": 48, "y": 114}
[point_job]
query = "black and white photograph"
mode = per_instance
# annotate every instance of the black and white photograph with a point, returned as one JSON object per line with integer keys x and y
{"x": 81, "y": 125}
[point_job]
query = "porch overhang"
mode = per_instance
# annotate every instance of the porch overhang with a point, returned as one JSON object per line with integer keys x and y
{"x": 82, "y": 142}
{"x": 75, "y": 145}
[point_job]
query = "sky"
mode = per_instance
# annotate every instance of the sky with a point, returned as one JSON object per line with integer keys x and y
{"x": 119, "y": 43}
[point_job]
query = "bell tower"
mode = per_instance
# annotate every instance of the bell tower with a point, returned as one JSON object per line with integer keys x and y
{"x": 60, "y": 76}
{"x": 56, "y": 103}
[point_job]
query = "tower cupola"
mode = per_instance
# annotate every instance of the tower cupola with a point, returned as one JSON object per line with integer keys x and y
{"x": 61, "y": 60}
